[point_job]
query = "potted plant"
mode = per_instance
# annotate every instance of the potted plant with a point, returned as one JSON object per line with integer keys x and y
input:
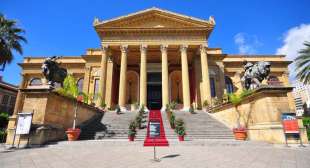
{"x": 180, "y": 129}
{"x": 132, "y": 130}
{"x": 71, "y": 90}
{"x": 117, "y": 109}
{"x": 172, "y": 120}
{"x": 139, "y": 121}
{"x": 240, "y": 131}
{"x": 206, "y": 105}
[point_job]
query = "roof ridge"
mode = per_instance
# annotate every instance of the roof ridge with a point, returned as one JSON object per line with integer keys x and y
{"x": 98, "y": 22}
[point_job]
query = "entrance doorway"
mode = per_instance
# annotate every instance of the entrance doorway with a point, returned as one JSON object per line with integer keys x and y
{"x": 154, "y": 95}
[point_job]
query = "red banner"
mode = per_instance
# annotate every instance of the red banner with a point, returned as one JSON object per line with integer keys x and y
{"x": 155, "y": 130}
{"x": 290, "y": 124}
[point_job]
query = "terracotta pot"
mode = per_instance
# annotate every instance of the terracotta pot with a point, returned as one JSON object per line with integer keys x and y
{"x": 131, "y": 138}
{"x": 73, "y": 134}
{"x": 181, "y": 138}
{"x": 240, "y": 134}
{"x": 80, "y": 98}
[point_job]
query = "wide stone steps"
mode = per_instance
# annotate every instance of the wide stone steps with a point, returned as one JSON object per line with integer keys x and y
{"x": 115, "y": 127}
{"x": 202, "y": 126}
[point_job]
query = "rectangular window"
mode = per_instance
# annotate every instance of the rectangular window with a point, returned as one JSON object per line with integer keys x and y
{"x": 212, "y": 87}
{"x": 12, "y": 101}
{"x": 5, "y": 99}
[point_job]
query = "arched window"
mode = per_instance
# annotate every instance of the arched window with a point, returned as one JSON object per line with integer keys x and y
{"x": 229, "y": 85}
{"x": 80, "y": 84}
{"x": 35, "y": 82}
{"x": 212, "y": 87}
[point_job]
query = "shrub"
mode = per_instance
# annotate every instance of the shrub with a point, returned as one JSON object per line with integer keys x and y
{"x": 138, "y": 120}
{"x": 4, "y": 119}
{"x": 180, "y": 127}
{"x": 225, "y": 98}
{"x": 235, "y": 99}
{"x": 132, "y": 128}
{"x": 117, "y": 109}
{"x": 3, "y": 134}
{"x": 216, "y": 101}
{"x": 172, "y": 120}
{"x": 206, "y": 103}
{"x": 245, "y": 93}
{"x": 306, "y": 123}
{"x": 173, "y": 105}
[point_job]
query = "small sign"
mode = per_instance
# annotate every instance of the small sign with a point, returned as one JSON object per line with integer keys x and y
{"x": 154, "y": 129}
{"x": 23, "y": 123}
{"x": 290, "y": 123}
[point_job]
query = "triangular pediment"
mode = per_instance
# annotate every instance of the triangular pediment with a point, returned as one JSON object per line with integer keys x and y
{"x": 154, "y": 18}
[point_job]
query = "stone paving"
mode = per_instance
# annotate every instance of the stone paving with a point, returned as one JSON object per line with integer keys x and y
{"x": 198, "y": 153}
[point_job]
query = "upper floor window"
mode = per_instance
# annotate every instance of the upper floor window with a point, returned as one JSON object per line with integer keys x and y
{"x": 229, "y": 85}
{"x": 35, "y": 82}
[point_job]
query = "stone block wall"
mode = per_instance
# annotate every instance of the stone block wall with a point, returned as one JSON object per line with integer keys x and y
{"x": 261, "y": 114}
{"x": 53, "y": 114}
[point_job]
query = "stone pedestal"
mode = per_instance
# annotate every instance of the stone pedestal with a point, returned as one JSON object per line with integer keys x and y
{"x": 53, "y": 114}
{"x": 261, "y": 113}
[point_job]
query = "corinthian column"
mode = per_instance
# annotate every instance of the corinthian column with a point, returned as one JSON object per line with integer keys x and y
{"x": 122, "y": 78}
{"x": 205, "y": 74}
{"x": 185, "y": 78}
{"x": 164, "y": 76}
{"x": 103, "y": 67}
{"x": 143, "y": 76}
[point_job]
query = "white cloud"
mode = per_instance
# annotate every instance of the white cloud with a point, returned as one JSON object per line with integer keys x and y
{"x": 247, "y": 44}
{"x": 292, "y": 43}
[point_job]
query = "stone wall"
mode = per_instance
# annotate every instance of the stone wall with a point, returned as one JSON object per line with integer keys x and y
{"x": 261, "y": 114}
{"x": 53, "y": 114}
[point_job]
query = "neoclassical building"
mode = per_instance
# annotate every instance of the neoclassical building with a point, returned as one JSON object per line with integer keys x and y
{"x": 154, "y": 57}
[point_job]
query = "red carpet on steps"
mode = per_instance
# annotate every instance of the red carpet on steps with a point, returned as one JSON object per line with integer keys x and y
{"x": 161, "y": 140}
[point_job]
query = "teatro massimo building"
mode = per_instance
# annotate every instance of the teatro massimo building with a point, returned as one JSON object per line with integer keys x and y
{"x": 153, "y": 57}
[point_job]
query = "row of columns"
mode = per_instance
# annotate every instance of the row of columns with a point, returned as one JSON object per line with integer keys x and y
{"x": 143, "y": 75}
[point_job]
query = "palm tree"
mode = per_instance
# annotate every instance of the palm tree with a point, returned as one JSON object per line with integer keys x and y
{"x": 10, "y": 38}
{"x": 303, "y": 64}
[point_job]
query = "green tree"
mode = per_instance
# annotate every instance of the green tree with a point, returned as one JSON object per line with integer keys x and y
{"x": 303, "y": 64}
{"x": 10, "y": 39}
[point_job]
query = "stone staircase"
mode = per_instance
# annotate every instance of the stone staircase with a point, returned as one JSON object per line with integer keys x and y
{"x": 200, "y": 126}
{"x": 110, "y": 126}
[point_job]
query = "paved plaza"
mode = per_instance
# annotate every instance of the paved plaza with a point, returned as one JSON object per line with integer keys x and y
{"x": 206, "y": 153}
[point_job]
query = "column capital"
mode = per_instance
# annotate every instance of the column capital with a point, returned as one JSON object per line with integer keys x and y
{"x": 163, "y": 47}
{"x": 183, "y": 48}
{"x": 203, "y": 48}
{"x": 143, "y": 47}
{"x": 104, "y": 47}
{"x": 124, "y": 48}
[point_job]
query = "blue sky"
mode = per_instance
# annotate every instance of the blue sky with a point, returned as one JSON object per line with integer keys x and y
{"x": 65, "y": 27}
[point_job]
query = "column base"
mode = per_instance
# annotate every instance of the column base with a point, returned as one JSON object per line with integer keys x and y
{"x": 163, "y": 109}
{"x": 123, "y": 109}
{"x": 185, "y": 109}
{"x": 145, "y": 109}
